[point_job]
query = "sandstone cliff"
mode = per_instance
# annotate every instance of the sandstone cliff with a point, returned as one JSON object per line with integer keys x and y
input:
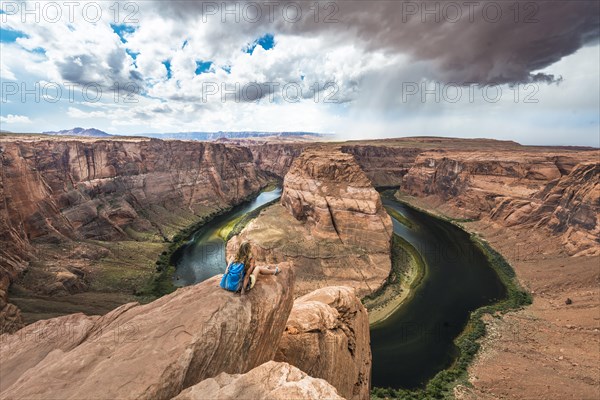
{"x": 327, "y": 336}
{"x": 65, "y": 204}
{"x": 557, "y": 191}
{"x": 331, "y": 225}
{"x": 383, "y": 165}
{"x": 151, "y": 351}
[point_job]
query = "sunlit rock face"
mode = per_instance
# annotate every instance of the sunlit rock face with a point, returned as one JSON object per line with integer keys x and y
{"x": 271, "y": 380}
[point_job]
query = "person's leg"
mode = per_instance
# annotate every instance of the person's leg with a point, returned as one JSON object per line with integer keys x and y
{"x": 264, "y": 271}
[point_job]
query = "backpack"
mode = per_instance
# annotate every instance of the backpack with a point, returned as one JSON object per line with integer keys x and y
{"x": 233, "y": 278}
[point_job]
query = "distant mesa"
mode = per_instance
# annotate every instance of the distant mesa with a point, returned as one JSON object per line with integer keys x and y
{"x": 88, "y": 132}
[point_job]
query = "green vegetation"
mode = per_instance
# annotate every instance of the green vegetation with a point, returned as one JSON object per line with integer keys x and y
{"x": 127, "y": 266}
{"x": 274, "y": 185}
{"x": 407, "y": 264}
{"x": 241, "y": 222}
{"x": 441, "y": 386}
{"x": 399, "y": 217}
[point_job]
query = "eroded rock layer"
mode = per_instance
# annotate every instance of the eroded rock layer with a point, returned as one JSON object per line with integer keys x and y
{"x": 515, "y": 189}
{"x": 151, "y": 351}
{"x": 327, "y": 336}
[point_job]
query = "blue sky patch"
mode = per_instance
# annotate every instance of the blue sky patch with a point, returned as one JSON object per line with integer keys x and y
{"x": 10, "y": 36}
{"x": 167, "y": 64}
{"x": 39, "y": 50}
{"x": 203, "y": 66}
{"x": 133, "y": 55}
{"x": 184, "y": 44}
{"x": 266, "y": 41}
{"x": 226, "y": 68}
{"x": 121, "y": 30}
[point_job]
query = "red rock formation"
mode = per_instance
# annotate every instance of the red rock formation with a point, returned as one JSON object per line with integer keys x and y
{"x": 276, "y": 158}
{"x": 384, "y": 165}
{"x": 151, "y": 351}
{"x": 327, "y": 336}
{"x": 271, "y": 380}
{"x": 517, "y": 189}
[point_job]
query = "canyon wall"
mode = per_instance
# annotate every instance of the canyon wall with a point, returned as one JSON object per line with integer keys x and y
{"x": 384, "y": 165}
{"x": 558, "y": 192}
{"x": 275, "y": 158}
{"x": 61, "y": 198}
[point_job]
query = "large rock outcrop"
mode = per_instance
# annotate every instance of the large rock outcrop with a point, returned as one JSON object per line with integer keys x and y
{"x": 558, "y": 191}
{"x": 327, "y": 336}
{"x": 62, "y": 199}
{"x": 330, "y": 193}
{"x": 271, "y": 380}
{"x": 330, "y": 225}
{"x": 151, "y": 351}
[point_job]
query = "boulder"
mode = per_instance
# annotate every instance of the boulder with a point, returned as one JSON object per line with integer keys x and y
{"x": 327, "y": 336}
{"x": 150, "y": 351}
{"x": 271, "y": 380}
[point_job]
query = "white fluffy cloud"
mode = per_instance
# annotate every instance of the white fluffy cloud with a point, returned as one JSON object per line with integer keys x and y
{"x": 15, "y": 119}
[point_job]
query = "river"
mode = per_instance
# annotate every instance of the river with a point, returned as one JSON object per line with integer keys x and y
{"x": 416, "y": 341}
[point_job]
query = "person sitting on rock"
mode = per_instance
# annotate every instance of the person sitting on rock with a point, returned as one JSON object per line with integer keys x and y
{"x": 251, "y": 271}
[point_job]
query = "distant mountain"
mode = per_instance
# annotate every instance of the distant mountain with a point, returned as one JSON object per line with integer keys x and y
{"x": 91, "y": 132}
{"x": 229, "y": 135}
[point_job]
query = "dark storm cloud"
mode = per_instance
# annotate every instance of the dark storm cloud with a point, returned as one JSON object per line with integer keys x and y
{"x": 88, "y": 69}
{"x": 485, "y": 42}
